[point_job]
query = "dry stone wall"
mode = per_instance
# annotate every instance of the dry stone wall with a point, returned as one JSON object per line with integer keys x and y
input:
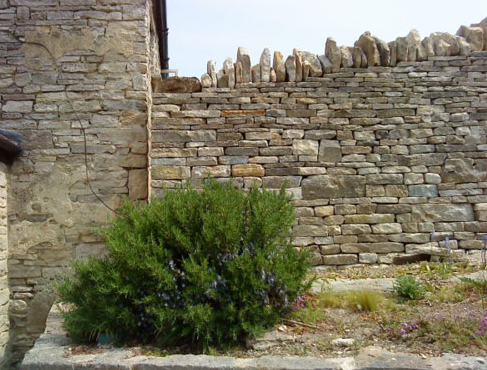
{"x": 382, "y": 161}
{"x": 65, "y": 66}
{"x": 4, "y": 290}
{"x": 368, "y": 51}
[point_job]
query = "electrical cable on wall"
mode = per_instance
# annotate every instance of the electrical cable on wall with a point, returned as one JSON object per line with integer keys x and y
{"x": 83, "y": 130}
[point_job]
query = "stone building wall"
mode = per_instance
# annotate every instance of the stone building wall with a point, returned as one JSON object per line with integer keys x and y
{"x": 381, "y": 161}
{"x": 4, "y": 291}
{"x": 65, "y": 66}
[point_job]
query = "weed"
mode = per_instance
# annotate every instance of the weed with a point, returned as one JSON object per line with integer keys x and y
{"x": 364, "y": 300}
{"x": 448, "y": 294}
{"x": 406, "y": 287}
{"x": 330, "y": 299}
{"x": 479, "y": 286}
{"x": 451, "y": 334}
{"x": 311, "y": 311}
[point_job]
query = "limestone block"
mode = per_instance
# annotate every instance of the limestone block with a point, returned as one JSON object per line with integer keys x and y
{"x": 265, "y": 66}
{"x": 273, "y": 75}
{"x": 324, "y": 211}
{"x": 305, "y": 147}
{"x": 256, "y": 73}
{"x": 306, "y": 70}
{"x": 326, "y": 65}
{"x": 413, "y": 178}
{"x": 367, "y": 43}
{"x": 333, "y": 53}
{"x": 276, "y": 182}
{"x": 369, "y": 219}
{"x": 310, "y": 230}
{"x": 248, "y": 170}
{"x": 290, "y": 68}
{"x": 372, "y": 247}
{"x": 444, "y": 44}
{"x": 315, "y": 66}
{"x": 206, "y": 80}
{"x": 473, "y": 35}
{"x": 356, "y": 229}
{"x": 428, "y": 46}
{"x": 211, "y": 70}
{"x": 385, "y": 179}
{"x": 340, "y": 259}
{"x": 175, "y": 85}
{"x": 330, "y": 151}
{"x": 13, "y": 106}
{"x": 279, "y": 67}
{"x": 459, "y": 170}
{"x": 229, "y": 72}
{"x": 243, "y": 57}
{"x": 367, "y": 258}
{"x": 401, "y": 49}
{"x": 442, "y": 212}
{"x": 410, "y": 237}
{"x": 222, "y": 79}
{"x": 396, "y": 191}
{"x": 238, "y": 73}
{"x": 356, "y": 56}
{"x": 384, "y": 52}
{"x": 432, "y": 178}
{"x": 483, "y": 25}
{"x": 330, "y": 249}
{"x": 137, "y": 184}
{"x": 299, "y": 65}
{"x": 211, "y": 171}
{"x": 387, "y": 228}
{"x": 465, "y": 47}
{"x": 346, "y": 57}
{"x": 430, "y": 191}
{"x": 393, "y": 48}
{"x": 339, "y": 186}
{"x": 38, "y": 310}
{"x": 163, "y": 172}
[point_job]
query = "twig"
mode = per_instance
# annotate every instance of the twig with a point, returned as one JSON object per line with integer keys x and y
{"x": 299, "y": 323}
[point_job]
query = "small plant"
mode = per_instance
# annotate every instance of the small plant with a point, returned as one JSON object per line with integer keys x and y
{"x": 483, "y": 325}
{"x": 406, "y": 287}
{"x": 448, "y": 294}
{"x": 308, "y": 309}
{"x": 364, "y": 300}
{"x": 483, "y": 252}
{"x": 451, "y": 334}
{"x": 446, "y": 244}
{"x": 199, "y": 268}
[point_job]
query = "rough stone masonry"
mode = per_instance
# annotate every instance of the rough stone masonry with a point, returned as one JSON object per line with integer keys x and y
{"x": 381, "y": 161}
{"x": 382, "y": 144}
{"x": 68, "y": 66}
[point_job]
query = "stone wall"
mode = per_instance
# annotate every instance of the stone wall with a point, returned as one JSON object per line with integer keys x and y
{"x": 4, "y": 290}
{"x": 65, "y": 66}
{"x": 381, "y": 161}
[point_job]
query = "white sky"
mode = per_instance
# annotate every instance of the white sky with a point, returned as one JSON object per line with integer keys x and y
{"x": 200, "y": 30}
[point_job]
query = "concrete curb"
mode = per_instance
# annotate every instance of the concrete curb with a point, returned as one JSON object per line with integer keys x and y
{"x": 52, "y": 352}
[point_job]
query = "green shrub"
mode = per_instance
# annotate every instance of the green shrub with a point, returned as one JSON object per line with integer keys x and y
{"x": 199, "y": 268}
{"x": 407, "y": 287}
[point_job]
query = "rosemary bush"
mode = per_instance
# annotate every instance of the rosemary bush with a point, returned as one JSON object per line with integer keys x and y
{"x": 198, "y": 268}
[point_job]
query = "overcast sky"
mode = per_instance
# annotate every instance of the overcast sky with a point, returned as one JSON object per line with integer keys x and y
{"x": 200, "y": 30}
